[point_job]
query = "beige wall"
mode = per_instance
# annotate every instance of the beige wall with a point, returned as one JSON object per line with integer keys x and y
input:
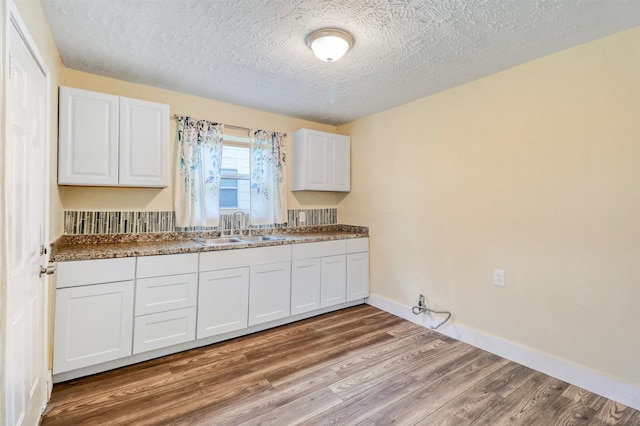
{"x": 535, "y": 170}
{"x": 92, "y": 198}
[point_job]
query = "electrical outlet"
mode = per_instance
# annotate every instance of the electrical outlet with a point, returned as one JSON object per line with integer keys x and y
{"x": 302, "y": 217}
{"x": 498, "y": 277}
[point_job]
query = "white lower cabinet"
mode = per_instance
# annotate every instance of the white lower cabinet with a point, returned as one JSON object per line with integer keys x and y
{"x": 357, "y": 269}
{"x": 333, "y": 280}
{"x": 93, "y": 324}
{"x": 223, "y": 301}
{"x": 114, "y": 308}
{"x": 269, "y": 292}
{"x": 318, "y": 275}
{"x": 305, "y": 285}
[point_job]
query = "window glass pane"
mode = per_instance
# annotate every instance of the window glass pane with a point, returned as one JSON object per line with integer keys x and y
{"x": 228, "y": 198}
{"x": 228, "y": 183}
{"x": 235, "y": 193}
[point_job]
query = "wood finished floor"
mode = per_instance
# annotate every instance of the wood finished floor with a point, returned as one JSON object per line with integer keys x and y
{"x": 355, "y": 366}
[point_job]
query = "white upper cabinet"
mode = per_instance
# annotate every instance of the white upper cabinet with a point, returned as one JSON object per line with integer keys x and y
{"x": 320, "y": 161}
{"x": 107, "y": 140}
{"x": 144, "y": 143}
{"x": 88, "y": 138}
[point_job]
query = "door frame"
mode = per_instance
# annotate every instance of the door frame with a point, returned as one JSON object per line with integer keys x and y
{"x": 10, "y": 16}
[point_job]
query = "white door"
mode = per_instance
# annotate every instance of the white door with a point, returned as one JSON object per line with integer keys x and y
{"x": 25, "y": 367}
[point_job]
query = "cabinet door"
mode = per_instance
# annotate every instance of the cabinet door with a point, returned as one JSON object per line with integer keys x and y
{"x": 223, "y": 301}
{"x": 357, "y": 276}
{"x": 333, "y": 284}
{"x": 144, "y": 143}
{"x": 88, "y": 138}
{"x": 93, "y": 324}
{"x": 269, "y": 292}
{"x": 316, "y": 147}
{"x": 309, "y": 168}
{"x": 305, "y": 285}
{"x": 339, "y": 163}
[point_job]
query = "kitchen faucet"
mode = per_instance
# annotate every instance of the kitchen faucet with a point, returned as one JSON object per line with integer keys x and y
{"x": 243, "y": 221}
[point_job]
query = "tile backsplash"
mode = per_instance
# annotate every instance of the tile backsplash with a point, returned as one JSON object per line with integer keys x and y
{"x": 94, "y": 222}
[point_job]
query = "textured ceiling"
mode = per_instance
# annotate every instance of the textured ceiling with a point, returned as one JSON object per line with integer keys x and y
{"x": 253, "y": 52}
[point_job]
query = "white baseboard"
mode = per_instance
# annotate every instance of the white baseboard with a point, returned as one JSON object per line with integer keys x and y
{"x": 597, "y": 383}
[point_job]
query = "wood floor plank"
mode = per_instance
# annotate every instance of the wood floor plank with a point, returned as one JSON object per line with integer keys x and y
{"x": 614, "y": 413}
{"x": 78, "y": 390}
{"x": 525, "y": 404}
{"x": 115, "y": 408}
{"x": 354, "y": 366}
{"x": 261, "y": 402}
{"x": 565, "y": 411}
{"x": 378, "y": 393}
{"x": 427, "y": 399}
{"x": 471, "y": 404}
{"x": 299, "y": 410}
{"x": 427, "y": 362}
{"x": 373, "y": 357}
{"x": 584, "y": 397}
{"x": 353, "y": 348}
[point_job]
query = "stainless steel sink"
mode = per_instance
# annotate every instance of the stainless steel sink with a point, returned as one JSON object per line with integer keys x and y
{"x": 258, "y": 238}
{"x": 216, "y": 241}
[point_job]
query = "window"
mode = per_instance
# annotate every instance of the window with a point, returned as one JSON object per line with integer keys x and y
{"x": 228, "y": 189}
{"x": 234, "y": 175}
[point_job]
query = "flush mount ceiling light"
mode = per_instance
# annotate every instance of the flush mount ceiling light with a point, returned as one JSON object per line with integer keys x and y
{"x": 329, "y": 44}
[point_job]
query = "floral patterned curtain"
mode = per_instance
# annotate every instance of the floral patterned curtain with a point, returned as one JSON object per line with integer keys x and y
{"x": 268, "y": 178}
{"x": 197, "y": 185}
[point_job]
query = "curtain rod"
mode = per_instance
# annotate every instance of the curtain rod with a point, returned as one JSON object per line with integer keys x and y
{"x": 230, "y": 126}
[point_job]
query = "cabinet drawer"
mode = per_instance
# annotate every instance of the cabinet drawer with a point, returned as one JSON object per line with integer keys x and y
{"x": 161, "y": 294}
{"x": 84, "y": 272}
{"x": 274, "y": 254}
{"x": 164, "y": 329}
{"x": 321, "y": 249}
{"x": 357, "y": 245}
{"x": 238, "y": 258}
{"x": 224, "y": 259}
{"x": 171, "y": 264}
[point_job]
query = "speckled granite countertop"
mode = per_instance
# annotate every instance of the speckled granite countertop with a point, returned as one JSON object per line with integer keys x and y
{"x": 107, "y": 246}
